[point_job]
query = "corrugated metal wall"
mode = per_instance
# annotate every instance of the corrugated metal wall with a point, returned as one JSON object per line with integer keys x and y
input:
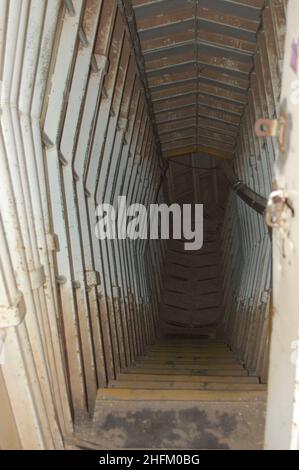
{"x": 77, "y": 129}
{"x": 84, "y": 308}
{"x": 33, "y": 375}
{"x": 246, "y": 239}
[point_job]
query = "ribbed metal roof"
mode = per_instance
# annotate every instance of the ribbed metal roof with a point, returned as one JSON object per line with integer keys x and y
{"x": 198, "y": 58}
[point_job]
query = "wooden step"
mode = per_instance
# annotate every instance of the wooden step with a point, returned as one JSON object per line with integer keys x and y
{"x": 208, "y": 347}
{"x": 199, "y": 337}
{"x": 188, "y": 361}
{"x": 191, "y": 366}
{"x": 194, "y": 351}
{"x": 188, "y": 347}
{"x": 189, "y": 356}
{"x": 170, "y": 385}
{"x": 203, "y": 371}
{"x": 179, "y": 395}
{"x": 138, "y": 376}
{"x": 188, "y": 340}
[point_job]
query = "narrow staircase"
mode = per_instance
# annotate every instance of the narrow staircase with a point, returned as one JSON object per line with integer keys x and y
{"x": 185, "y": 393}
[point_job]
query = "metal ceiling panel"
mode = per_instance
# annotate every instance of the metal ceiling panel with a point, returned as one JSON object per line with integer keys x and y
{"x": 198, "y": 58}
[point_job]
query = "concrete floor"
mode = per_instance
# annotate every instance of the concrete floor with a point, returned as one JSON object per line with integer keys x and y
{"x": 176, "y": 425}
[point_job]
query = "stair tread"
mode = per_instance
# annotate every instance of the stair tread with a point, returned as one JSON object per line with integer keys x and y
{"x": 191, "y": 341}
{"x": 202, "y": 371}
{"x": 169, "y": 385}
{"x": 189, "y": 378}
{"x": 192, "y": 353}
{"x": 192, "y": 349}
{"x": 188, "y": 361}
{"x": 199, "y": 344}
{"x": 180, "y": 395}
{"x": 191, "y": 366}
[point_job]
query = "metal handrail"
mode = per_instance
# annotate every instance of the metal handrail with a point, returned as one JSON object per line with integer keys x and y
{"x": 250, "y": 197}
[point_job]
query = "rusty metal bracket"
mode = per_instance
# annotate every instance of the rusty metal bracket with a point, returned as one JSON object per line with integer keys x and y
{"x": 266, "y": 127}
{"x": 279, "y": 128}
{"x": 279, "y": 210}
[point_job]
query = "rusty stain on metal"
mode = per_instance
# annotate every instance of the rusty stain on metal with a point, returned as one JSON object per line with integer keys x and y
{"x": 279, "y": 128}
{"x": 266, "y": 127}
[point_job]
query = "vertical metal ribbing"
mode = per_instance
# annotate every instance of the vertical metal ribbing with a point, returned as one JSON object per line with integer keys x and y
{"x": 33, "y": 371}
{"x": 119, "y": 245}
{"x": 84, "y": 159}
{"x": 110, "y": 197}
{"x": 116, "y": 128}
{"x": 93, "y": 178}
{"x": 75, "y": 131}
{"x": 254, "y": 164}
{"x": 53, "y": 127}
{"x": 126, "y": 8}
{"x": 68, "y": 141}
